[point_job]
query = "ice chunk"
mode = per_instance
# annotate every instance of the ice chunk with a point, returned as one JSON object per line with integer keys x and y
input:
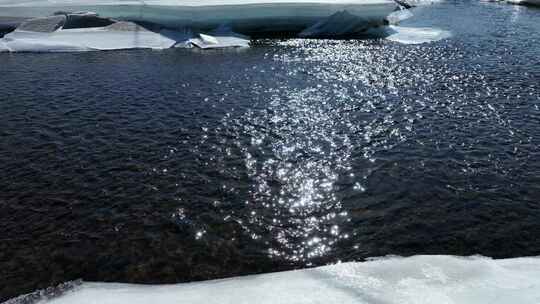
{"x": 415, "y": 35}
{"x": 419, "y": 280}
{"x": 244, "y": 16}
{"x": 121, "y": 35}
{"x": 216, "y": 42}
{"x": 23, "y": 41}
{"x": 222, "y": 37}
{"x": 410, "y": 35}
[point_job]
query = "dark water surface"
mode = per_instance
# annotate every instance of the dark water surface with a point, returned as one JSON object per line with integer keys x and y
{"x": 179, "y": 165}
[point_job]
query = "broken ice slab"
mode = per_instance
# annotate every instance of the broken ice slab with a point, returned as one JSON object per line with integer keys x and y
{"x": 219, "y": 42}
{"x": 88, "y": 32}
{"x": 84, "y": 40}
{"x": 49, "y": 35}
{"x": 222, "y": 37}
{"x": 96, "y": 28}
{"x": 244, "y": 16}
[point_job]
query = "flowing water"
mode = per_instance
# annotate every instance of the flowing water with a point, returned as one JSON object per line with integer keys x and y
{"x": 179, "y": 165}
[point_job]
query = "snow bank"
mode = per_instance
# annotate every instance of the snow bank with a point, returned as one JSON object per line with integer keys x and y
{"x": 98, "y": 30}
{"x": 64, "y": 31}
{"x": 245, "y": 16}
{"x": 420, "y": 279}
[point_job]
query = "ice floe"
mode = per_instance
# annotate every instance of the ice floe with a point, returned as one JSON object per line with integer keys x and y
{"x": 395, "y": 280}
{"x": 244, "y": 16}
{"x": 86, "y": 39}
{"x": 93, "y": 26}
{"x": 407, "y": 35}
{"x": 82, "y": 25}
{"x": 215, "y": 42}
{"x": 222, "y": 37}
{"x": 109, "y": 38}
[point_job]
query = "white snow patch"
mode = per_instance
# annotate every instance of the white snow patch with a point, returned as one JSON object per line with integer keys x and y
{"x": 418, "y": 280}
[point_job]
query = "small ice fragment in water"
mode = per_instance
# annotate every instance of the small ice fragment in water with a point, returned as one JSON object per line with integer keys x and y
{"x": 222, "y": 37}
{"x": 412, "y": 35}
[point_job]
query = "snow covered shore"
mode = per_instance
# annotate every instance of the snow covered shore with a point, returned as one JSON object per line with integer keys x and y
{"x": 241, "y": 15}
{"x": 84, "y": 25}
{"x": 419, "y": 279}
